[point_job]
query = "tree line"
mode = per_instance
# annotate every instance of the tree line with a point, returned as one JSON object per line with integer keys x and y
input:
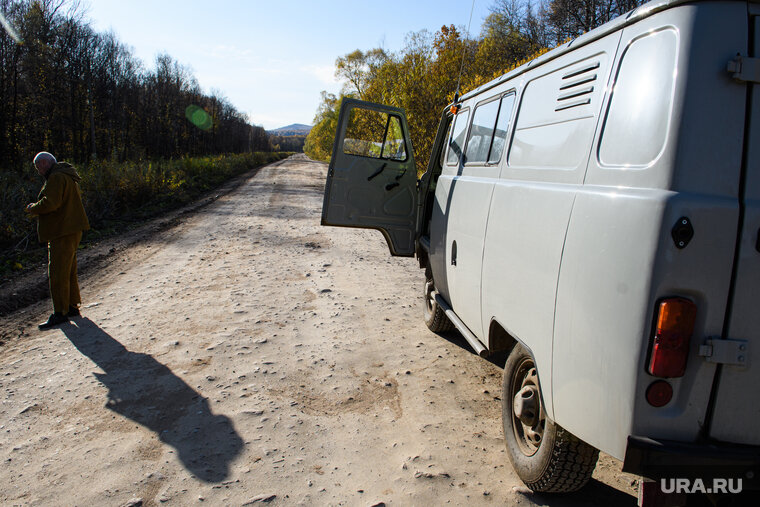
{"x": 81, "y": 94}
{"x": 424, "y": 75}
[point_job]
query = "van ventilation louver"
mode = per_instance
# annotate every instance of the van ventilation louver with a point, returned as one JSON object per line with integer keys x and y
{"x": 577, "y": 87}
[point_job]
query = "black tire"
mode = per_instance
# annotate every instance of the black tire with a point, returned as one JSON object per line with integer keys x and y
{"x": 546, "y": 457}
{"x": 435, "y": 317}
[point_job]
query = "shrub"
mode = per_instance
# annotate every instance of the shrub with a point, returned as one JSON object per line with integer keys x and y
{"x": 115, "y": 192}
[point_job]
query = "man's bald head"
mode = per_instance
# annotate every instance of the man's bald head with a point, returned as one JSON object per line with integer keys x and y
{"x": 43, "y": 161}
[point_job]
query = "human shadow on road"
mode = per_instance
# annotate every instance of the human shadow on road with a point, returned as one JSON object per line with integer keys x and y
{"x": 147, "y": 392}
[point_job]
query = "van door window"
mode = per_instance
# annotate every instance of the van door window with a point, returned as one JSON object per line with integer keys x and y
{"x": 374, "y": 134}
{"x": 502, "y": 126}
{"x": 457, "y": 137}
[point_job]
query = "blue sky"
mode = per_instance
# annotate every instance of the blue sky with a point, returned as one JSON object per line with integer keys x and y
{"x": 271, "y": 59}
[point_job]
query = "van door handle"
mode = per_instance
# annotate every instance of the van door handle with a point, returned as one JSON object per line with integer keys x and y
{"x": 382, "y": 167}
{"x": 757, "y": 243}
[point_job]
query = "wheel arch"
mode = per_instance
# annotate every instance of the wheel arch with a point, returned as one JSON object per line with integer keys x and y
{"x": 499, "y": 340}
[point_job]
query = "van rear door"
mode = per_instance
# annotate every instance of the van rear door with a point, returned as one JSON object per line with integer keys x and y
{"x": 737, "y": 408}
{"x": 371, "y": 181}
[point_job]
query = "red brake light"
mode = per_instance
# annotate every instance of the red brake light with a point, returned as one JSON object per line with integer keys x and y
{"x": 675, "y": 325}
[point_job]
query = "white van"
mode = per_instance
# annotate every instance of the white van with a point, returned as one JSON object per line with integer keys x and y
{"x": 597, "y": 213}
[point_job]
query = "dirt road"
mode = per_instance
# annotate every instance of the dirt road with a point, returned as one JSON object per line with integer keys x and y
{"x": 247, "y": 355}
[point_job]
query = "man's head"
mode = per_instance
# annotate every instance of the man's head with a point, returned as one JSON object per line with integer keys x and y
{"x": 43, "y": 161}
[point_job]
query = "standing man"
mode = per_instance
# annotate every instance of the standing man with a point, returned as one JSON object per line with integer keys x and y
{"x": 60, "y": 222}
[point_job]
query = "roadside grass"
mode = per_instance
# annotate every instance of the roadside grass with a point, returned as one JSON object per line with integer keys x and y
{"x": 116, "y": 197}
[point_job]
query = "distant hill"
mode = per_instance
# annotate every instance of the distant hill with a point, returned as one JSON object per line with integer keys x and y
{"x": 296, "y": 129}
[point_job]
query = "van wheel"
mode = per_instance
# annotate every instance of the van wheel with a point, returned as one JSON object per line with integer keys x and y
{"x": 546, "y": 457}
{"x": 435, "y": 317}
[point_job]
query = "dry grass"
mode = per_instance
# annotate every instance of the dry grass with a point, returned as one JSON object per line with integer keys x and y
{"x": 117, "y": 193}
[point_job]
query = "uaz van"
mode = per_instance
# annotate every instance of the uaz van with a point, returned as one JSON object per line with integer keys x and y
{"x": 596, "y": 213}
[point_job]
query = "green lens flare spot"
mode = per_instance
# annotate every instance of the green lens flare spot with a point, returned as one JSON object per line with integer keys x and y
{"x": 198, "y": 117}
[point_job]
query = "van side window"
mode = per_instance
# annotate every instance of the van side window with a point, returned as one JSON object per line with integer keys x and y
{"x": 374, "y": 134}
{"x": 502, "y": 126}
{"x": 457, "y": 137}
{"x": 638, "y": 117}
{"x": 481, "y": 132}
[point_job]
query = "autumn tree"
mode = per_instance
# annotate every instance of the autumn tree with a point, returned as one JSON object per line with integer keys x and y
{"x": 358, "y": 69}
{"x": 319, "y": 142}
{"x": 81, "y": 94}
{"x": 423, "y": 76}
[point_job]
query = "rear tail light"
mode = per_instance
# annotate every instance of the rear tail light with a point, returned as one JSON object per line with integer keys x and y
{"x": 670, "y": 349}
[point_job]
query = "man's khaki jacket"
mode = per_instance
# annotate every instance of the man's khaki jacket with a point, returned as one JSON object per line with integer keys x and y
{"x": 59, "y": 207}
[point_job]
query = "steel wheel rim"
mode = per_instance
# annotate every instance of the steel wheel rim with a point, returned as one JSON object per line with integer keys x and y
{"x": 428, "y": 291}
{"x": 530, "y": 435}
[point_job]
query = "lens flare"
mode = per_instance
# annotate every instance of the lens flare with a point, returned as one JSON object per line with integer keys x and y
{"x": 9, "y": 28}
{"x": 198, "y": 117}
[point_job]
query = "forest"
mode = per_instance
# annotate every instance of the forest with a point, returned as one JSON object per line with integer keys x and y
{"x": 143, "y": 139}
{"x": 422, "y": 77}
{"x": 83, "y": 95}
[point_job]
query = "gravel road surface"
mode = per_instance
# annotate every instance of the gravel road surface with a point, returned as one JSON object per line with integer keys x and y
{"x": 245, "y": 355}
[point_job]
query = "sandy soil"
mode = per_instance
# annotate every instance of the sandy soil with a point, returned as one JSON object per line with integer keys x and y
{"x": 246, "y": 355}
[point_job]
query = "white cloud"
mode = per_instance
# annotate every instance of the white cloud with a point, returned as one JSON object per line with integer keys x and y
{"x": 324, "y": 73}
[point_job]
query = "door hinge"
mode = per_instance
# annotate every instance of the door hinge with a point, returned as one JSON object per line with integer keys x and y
{"x": 733, "y": 352}
{"x": 745, "y": 69}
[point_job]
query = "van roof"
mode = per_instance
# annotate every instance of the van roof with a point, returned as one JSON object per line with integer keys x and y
{"x": 637, "y": 14}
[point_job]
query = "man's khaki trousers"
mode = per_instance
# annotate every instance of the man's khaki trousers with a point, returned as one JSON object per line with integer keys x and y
{"x": 62, "y": 272}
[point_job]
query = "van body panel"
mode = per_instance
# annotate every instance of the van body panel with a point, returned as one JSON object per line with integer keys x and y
{"x": 594, "y": 286}
{"x": 467, "y": 191}
{"x": 437, "y": 256}
{"x": 470, "y": 200}
{"x": 533, "y": 199}
{"x": 614, "y": 270}
{"x": 522, "y": 266}
{"x": 432, "y": 246}
{"x": 440, "y": 255}
{"x": 737, "y": 411}
{"x": 558, "y": 113}
{"x": 613, "y": 273}
{"x": 373, "y": 192}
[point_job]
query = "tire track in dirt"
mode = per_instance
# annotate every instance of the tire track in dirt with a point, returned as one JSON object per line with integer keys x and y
{"x": 246, "y": 352}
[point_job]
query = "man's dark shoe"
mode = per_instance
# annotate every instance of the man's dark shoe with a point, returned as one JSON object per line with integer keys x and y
{"x": 73, "y": 312}
{"x": 54, "y": 320}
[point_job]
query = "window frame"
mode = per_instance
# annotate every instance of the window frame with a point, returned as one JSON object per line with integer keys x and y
{"x": 451, "y": 136}
{"x": 385, "y": 136}
{"x": 499, "y": 97}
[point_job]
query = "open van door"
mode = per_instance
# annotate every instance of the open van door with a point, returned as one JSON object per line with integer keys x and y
{"x": 371, "y": 181}
{"x": 736, "y": 412}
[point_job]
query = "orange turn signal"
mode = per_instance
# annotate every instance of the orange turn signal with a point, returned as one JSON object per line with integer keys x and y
{"x": 670, "y": 347}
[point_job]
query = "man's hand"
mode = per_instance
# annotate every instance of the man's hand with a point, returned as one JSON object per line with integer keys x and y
{"x": 28, "y": 208}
